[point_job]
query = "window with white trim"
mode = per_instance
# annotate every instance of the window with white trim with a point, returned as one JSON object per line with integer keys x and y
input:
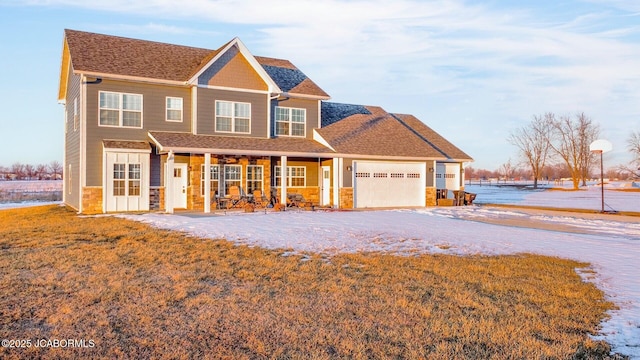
{"x": 215, "y": 177}
{"x": 233, "y": 117}
{"x": 134, "y": 180}
{"x": 290, "y": 121}
{"x": 174, "y": 109}
{"x": 296, "y": 176}
{"x": 254, "y": 178}
{"x": 120, "y": 109}
{"x": 232, "y": 177}
{"x": 119, "y": 180}
{"x": 126, "y": 179}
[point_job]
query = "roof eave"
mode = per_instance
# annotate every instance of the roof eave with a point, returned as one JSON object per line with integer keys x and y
{"x": 305, "y": 96}
{"x": 65, "y": 66}
{"x": 130, "y": 78}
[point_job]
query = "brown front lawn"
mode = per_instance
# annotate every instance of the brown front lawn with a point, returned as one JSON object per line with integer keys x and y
{"x": 139, "y": 292}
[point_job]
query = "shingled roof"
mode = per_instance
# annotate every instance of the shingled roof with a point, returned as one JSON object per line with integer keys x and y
{"x": 433, "y": 138}
{"x": 370, "y": 130}
{"x": 289, "y": 78}
{"x": 181, "y": 142}
{"x": 105, "y": 54}
{"x": 98, "y": 54}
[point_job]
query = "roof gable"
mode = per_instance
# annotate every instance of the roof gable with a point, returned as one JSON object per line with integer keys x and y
{"x": 226, "y": 56}
{"x": 232, "y": 69}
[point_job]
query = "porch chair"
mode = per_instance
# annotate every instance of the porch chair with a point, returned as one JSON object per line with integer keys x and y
{"x": 236, "y": 199}
{"x": 259, "y": 200}
{"x": 459, "y": 198}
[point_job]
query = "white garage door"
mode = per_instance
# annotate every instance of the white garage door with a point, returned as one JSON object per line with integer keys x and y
{"x": 448, "y": 176}
{"x": 388, "y": 184}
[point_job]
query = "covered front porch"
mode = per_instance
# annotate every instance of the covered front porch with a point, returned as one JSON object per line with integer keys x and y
{"x": 212, "y": 181}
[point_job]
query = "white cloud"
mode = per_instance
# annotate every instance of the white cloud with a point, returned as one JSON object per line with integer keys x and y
{"x": 444, "y": 61}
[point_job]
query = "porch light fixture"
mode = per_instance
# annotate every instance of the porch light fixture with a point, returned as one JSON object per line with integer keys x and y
{"x": 349, "y": 168}
{"x": 430, "y": 169}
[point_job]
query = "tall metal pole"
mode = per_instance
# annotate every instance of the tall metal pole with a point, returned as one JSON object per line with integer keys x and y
{"x": 602, "y": 181}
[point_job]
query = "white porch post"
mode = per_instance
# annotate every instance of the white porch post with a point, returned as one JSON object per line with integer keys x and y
{"x": 207, "y": 183}
{"x": 336, "y": 182}
{"x": 168, "y": 185}
{"x": 283, "y": 180}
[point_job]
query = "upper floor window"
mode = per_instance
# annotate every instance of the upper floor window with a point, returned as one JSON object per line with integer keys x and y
{"x": 119, "y": 109}
{"x": 290, "y": 121}
{"x": 174, "y": 109}
{"x": 233, "y": 117}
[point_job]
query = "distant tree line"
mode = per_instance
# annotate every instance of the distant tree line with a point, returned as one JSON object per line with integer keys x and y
{"x": 19, "y": 171}
{"x": 565, "y": 140}
{"x": 557, "y": 147}
{"x": 510, "y": 172}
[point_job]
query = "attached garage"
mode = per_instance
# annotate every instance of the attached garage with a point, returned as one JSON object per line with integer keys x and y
{"x": 388, "y": 184}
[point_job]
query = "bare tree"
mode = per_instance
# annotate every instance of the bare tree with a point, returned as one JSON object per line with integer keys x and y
{"x": 4, "y": 173}
{"x": 17, "y": 169}
{"x": 29, "y": 171}
{"x": 506, "y": 170}
{"x": 571, "y": 139}
{"x": 533, "y": 143}
{"x": 41, "y": 171}
{"x": 470, "y": 172}
{"x": 55, "y": 170}
{"x": 633, "y": 144}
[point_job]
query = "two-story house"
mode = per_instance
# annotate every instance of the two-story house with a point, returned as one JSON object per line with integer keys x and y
{"x": 151, "y": 126}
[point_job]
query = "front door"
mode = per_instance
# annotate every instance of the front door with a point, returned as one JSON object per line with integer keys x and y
{"x": 180, "y": 186}
{"x": 326, "y": 185}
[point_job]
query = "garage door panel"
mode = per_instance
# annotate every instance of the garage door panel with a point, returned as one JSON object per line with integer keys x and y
{"x": 389, "y": 184}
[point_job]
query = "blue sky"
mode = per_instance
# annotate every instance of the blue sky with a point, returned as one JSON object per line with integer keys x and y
{"x": 472, "y": 70}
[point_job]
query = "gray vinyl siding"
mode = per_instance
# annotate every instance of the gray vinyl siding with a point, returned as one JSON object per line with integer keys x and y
{"x": 207, "y": 111}
{"x": 312, "y": 113}
{"x": 347, "y": 176}
{"x": 72, "y": 144}
{"x": 155, "y": 162}
{"x": 153, "y": 118}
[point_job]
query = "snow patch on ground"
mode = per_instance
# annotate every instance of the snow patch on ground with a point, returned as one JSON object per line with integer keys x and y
{"x": 611, "y": 247}
{"x": 613, "y": 252}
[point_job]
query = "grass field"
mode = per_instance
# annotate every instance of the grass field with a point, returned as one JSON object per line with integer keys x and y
{"x": 140, "y": 292}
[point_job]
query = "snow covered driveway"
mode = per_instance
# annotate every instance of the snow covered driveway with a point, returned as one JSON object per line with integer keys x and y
{"x": 612, "y": 247}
